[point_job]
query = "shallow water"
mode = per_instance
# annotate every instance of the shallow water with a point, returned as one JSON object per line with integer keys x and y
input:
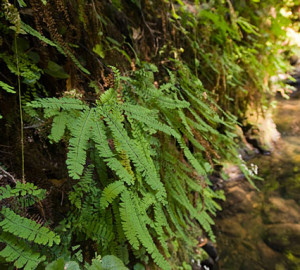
{"x": 261, "y": 229}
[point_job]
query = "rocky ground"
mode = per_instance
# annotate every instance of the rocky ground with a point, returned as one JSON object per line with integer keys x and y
{"x": 261, "y": 229}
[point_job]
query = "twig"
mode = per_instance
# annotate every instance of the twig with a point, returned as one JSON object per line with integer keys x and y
{"x": 2, "y": 145}
{"x": 8, "y": 153}
{"x": 8, "y": 174}
{"x": 21, "y": 109}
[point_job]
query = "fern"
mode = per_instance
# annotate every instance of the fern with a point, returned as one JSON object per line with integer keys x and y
{"x": 147, "y": 117}
{"x": 84, "y": 186}
{"x": 30, "y": 72}
{"x": 133, "y": 151}
{"x": 58, "y": 104}
{"x": 110, "y": 193}
{"x": 21, "y": 234}
{"x": 7, "y": 88}
{"x": 135, "y": 198}
{"x": 135, "y": 228}
{"x": 59, "y": 125}
{"x": 79, "y": 144}
{"x": 129, "y": 220}
{"x": 100, "y": 138}
{"x": 22, "y": 189}
{"x": 27, "y": 229}
{"x": 19, "y": 253}
{"x": 28, "y": 29}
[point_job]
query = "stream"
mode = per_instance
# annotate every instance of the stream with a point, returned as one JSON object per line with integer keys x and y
{"x": 261, "y": 229}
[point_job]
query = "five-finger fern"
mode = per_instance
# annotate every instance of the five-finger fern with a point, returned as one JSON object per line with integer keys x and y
{"x": 26, "y": 240}
{"x": 148, "y": 159}
{"x": 20, "y": 253}
{"x": 141, "y": 145}
{"x": 27, "y": 229}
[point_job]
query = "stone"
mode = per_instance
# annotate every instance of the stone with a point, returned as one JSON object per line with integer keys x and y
{"x": 238, "y": 200}
{"x": 231, "y": 227}
{"x": 279, "y": 210}
{"x": 292, "y": 187}
{"x": 283, "y": 237}
{"x": 267, "y": 255}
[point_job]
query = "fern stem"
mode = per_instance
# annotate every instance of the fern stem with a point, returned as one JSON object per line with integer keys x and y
{"x": 21, "y": 111}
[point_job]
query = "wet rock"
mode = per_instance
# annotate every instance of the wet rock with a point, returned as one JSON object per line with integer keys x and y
{"x": 292, "y": 187}
{"x": 211, "y": 250}
{"x": 208, "y": 264}
{"x": 246, "y": 150}
{"x": 232, "y": 228}
{"x": 238, "y": 200}
{"x": 250, "y": 264}
{"x": 267, "y": 255}
{"x": 284, "y": 237}
{"x": 279, "y": 210}
{"x": 234, "y": 174}
{"x": 260, "y": 131}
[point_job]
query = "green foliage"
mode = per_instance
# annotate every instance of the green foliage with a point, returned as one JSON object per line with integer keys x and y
{"x": 108, "y": 262}
{"x": 28, "y": 70}
{"x": 27, "y": 229}
{"x": 141, "y": 146}
{"x": 121, "y": 134}
{"x": 22, "y": 189}
{"x": 110, "y": 193}
{"x": 7, "y": 88}
{"x": 18, "y": 233}
{"x": 28, "y": 29}
{"x": 19, "y": 252}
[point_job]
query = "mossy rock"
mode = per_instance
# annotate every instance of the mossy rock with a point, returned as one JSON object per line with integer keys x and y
{"x": 292, "y": 187}
{"x": 284, "y": 237}
{"x": 278, "y": 210}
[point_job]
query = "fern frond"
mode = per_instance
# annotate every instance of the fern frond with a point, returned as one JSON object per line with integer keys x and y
{"x": 22, "y": 189}
{"x": 18, "y": 252}
{"x": 100, "y": 138}
{"x": 145, "y": 237}
{"x": 118, "y": 224}
{"x": 139, "y": 110}
{"x": 7, "y": 88}
{"x": 85, "y": 185}
{"x": 110, "y": 193}
{"x": 99, "y": 230}
{"x": 160, "y": 222}
{"x": 27, "y": 229}
{"x": 79, "y": 144}
{"x": 135, "y": 228}
{"x": 147, "y": 117}
{"x": 191, "y": 158}
{"x": 63, "y": 103}
{"x": 58, "y": 126}
{"x": 136, "y": 231}
{"x": 206, "y": 222}
{"x": 129, "y": 219}
{"x": 170, "y": 103}
{"x": 28, "y": 29}
{"x": 134, "y": 152}
{"x": 180, "y": 228}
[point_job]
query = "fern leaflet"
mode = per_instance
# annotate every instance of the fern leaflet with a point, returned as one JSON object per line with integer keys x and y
{"x": 27, "y": 229}
{"x": 19, "y": 253}
{"x": 79, "y": 144}
{"x": 7, "y": 88}
{"x": 110, "y": 193}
